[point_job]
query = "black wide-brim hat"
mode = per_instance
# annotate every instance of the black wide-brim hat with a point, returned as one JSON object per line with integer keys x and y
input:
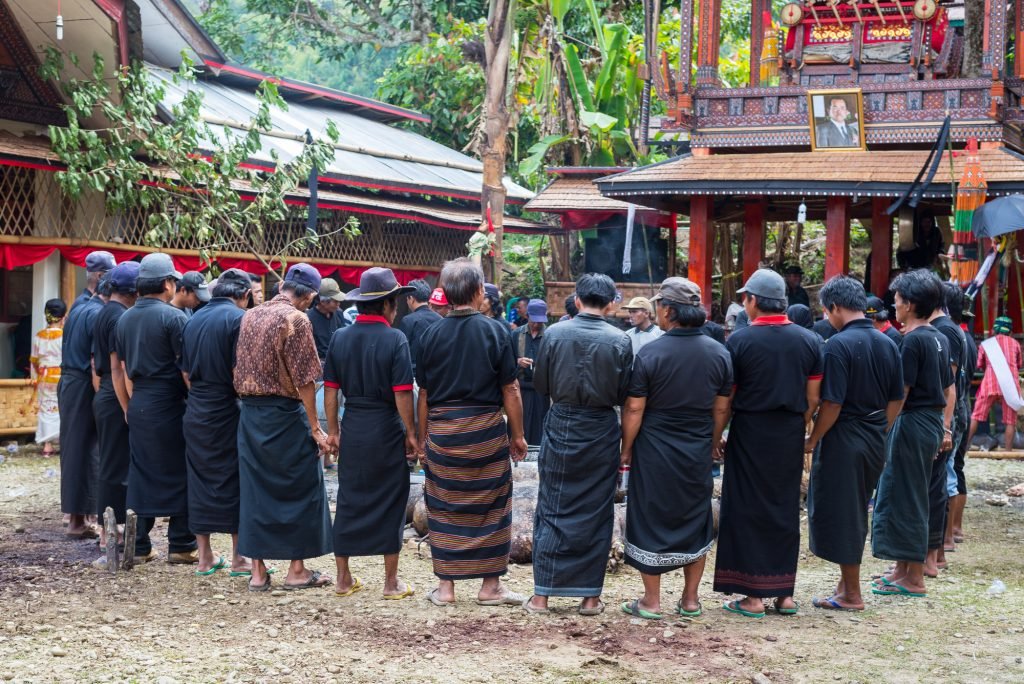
{"x": 377, "y": 283}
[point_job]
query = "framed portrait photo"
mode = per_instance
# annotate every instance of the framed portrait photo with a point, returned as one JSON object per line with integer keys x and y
{"x": 836, "y": 119}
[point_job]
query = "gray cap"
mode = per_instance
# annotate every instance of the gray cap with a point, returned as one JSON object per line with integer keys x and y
{"x": 195, "y": 281}
{"x": 99, "y": 262}
{"x": 158, "y": 265}
{"x": 765, "y": 283}
{"x": 678, "y": 290}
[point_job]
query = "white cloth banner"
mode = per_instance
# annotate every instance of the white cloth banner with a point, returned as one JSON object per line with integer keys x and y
{"x": 627, "y": 264}
{"x": 1008, "y": 382}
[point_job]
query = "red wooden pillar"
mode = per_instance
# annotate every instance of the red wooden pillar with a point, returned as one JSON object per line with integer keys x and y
{"x": 837, "y": 236}
{"x": 753, "y": 235}
{"x": 702, "y": 244}
{"x": 1018, "y": 42}
{"x": 881, "y": 246}
{"x": 708, "y": 42}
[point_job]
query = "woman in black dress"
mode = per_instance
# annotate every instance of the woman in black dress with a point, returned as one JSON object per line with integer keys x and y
{"x": 677, "y": 408}
{"x": 369, "y": 362}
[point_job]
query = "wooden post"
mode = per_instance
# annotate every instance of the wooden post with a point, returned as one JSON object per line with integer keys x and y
{"x": 708, "y": 43}
{"x": 130, "y": 522}
{"x": 1018, "y": 42}
{"x": 753, "y": 236}
{"x": 837, "y": 236}
{"x": 993, "y": 58}
{"x": 684, "y": 76}
{"x": 673, "y": 243}
{"x": 110, "y": 529}
{"x": 757, "y": 9}
{"x": 68, "y": 285}
{"x": 702, "y": 244}
{"x": 881, "y": 246}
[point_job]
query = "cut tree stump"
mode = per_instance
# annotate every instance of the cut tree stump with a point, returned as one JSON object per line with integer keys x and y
{"x": 110, "y": 528}
{"x": 129, "y": 540}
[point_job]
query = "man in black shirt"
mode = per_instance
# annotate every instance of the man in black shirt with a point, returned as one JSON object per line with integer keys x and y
{"x": 148, "y": 342}
{"x": 419, "y": 318}
{"x": 795, "y": 294}
{"x": 861, "y": 393}
{"x": 899, "y": 525}
{"x": 824, "y": 329}
{"x": 108, "y": 408}
{"x": 324, "y": 315}
{"x": 584, "y": 366}
{"x": 526, "y": 342}
{"x": 96, "y": 264}
{"x": 777, "y": 374}
{"x": 879, "y": 316}
{"x": 956, "y": 482}
{"x": 191, "y": 292}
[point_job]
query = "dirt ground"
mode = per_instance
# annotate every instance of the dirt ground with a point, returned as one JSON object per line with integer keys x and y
{"x": 62, "y": 621}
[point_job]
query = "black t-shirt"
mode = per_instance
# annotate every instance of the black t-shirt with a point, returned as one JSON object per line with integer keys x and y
{"x": 824, "y": 329}
{"x": 957, "y": 350}
{"x": 149, "y": 341}
{"x": 465, "y": 358}
{"x": 76, "y": 347}
{"x": 683, "y": 370}
{"x": 714, "y": 331}
{"x": 369, "y": 362}
{"x": 971, "y": 363}
{"x": 893, "y": 334}
{"x": 323, "y": 328}
{"x": 208, "y": 344}
{"x": 926, "y": 370}
{"x": 862, "y": 370}
{"x": 413, "y": 324}
{"x": 772, "y": 361}
{"x": 798, "y": 295}
{"x": 104, "y": 335}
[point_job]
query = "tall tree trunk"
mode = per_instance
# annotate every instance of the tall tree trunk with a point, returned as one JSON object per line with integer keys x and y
{"x": 493, "y": 148}
{"x": 974, "y": 27}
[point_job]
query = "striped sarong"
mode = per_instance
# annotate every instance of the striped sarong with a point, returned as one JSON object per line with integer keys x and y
{"x": 468, "y": 491}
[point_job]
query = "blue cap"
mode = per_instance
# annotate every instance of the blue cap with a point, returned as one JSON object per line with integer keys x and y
{"x": 304, "y": 274}
{"x": 124, "y": 275}
{"x": 99, "y": 261}
{"x": 537, "y": 311}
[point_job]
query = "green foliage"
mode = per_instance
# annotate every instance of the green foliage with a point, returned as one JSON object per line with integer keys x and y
{"x": 194, "y": 197}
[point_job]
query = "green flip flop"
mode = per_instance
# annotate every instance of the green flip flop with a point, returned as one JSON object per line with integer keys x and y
{"x": 248, "y": 573}
{"x": 216, "y": 566}
{"x": 689, "y": 613}
{"x": 734, "y": 607}
{"x": 892, "y": 589}
{"x": 787, "y": 611}
{"x": 633, "y": 608}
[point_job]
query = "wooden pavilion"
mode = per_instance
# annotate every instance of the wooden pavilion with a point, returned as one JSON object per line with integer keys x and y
{"x": 751, "y": 151}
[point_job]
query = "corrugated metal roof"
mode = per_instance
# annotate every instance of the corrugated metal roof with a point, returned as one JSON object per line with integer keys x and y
{"x": 436, "y": 170}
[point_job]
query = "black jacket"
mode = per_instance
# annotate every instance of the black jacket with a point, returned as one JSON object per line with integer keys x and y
{"x": 584, "y": 362}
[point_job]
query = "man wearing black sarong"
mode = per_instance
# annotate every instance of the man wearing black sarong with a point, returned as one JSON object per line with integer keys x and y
{"x": 899, "y": 525}
{"x": 956, "y": 482}
{"x": 369, "y": 363}
{"x": 466, "y": 371}
{"x": 109, "y": 408}
{"x": 777, "y": 372}
{"x": 526, "y": 341}
{"x": 283, "y": 509}
{"x": 861, "y": 395}
{"x": 584, "y": 366}
{"x": 79, "y": 456}
{"x": 208, "y": 352}
{"x": 672, "y": 421}
{"x": 148, "y": 343}
{"x": 938, "y": 495}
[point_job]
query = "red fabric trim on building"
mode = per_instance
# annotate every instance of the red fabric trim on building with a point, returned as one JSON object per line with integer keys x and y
{"x": 371, "y": 318}
{"x": 402, "y": 388}
{"x": 332, "y": 385}
{"x": 38, "y": 166}
{"x": 781, "y": 319}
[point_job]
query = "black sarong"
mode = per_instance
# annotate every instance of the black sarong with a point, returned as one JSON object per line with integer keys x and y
{"x": 899, "y": 525}
{"x": 468, "y": 491}
{"x": 572, "y": 527}
{"x": 670, "y": 522}
{"x": 211, "y": 450}
{"x": 157, "y": 483}
{"x": 79, "y": 457}
{"x": 759, "y": 523}
{"x": 843, "y": 477}
{"x": 938, "y": 500}
{"x": 283, "y": 511}
{"x": 114, "y": 451}
{"x": 535, "y": 408}
{"x": 373, "y": 480}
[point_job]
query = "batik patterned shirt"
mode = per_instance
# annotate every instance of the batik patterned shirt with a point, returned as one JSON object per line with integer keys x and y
{"x": 276, "y": 351}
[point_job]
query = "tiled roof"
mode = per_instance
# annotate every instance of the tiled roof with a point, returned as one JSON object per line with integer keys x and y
{"x": 881, "y": 172}
{"x": 573, "y": 194}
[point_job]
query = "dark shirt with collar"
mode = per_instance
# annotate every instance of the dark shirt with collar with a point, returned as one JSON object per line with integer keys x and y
{"x": 104, "y": 336}
{"x": 683, "y": 370}
{"x": 862, "y": 370}
{"x": 772, "y": 362}
{"x": 86, "y": 295}
{"x": 149, "y": 341}
{"x": 798, "y": 295}
{"x": 926, "y": 368}
{"x": 824, "y": 329}
{"x": 584, "y": 362}
{"x": 714, "y": 331}
{"x": 413, "y": 324}
{"x": 957, "y": 352}
{"x": 527, "y": 348}
{"x": 208, "y": 347}
{"x": 890, "y": 331}
{"x": 78, "y": 329}
{"x": 323, "y": 328}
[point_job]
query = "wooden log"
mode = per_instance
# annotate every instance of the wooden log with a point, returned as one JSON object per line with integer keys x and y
{"x": 130, "y": 522}
{"x": 1001, "y": 455}
{"x": 110, "y": 529}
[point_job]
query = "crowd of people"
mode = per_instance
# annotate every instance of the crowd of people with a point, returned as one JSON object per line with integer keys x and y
{"x": 201, "y": 403}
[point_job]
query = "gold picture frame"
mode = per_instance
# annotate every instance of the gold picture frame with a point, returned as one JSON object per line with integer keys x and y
{"x": 824, "y": 108}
